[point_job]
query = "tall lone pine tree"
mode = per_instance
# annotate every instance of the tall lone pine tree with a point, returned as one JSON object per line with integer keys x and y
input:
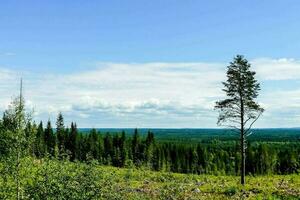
{"x": 239, "y": 110}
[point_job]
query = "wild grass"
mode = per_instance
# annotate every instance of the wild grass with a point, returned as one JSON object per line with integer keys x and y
{"x": 53, "y": 179}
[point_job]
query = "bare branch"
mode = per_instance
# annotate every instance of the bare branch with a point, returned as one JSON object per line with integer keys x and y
{"x": 247, "y": 120}
{"x": 252, "y": 123}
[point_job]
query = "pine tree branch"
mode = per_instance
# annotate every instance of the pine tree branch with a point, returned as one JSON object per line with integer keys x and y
{"x": 252, "y": 123}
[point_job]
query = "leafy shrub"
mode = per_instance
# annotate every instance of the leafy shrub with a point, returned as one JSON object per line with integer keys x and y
{"x": 230, "y": 191}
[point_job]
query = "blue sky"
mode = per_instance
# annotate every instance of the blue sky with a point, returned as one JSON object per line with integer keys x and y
{"x": 59, "y": 44}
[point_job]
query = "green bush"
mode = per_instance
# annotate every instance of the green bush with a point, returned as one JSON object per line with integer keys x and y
{"x": 230, "y": 191}
{"x": 62, "y": 179}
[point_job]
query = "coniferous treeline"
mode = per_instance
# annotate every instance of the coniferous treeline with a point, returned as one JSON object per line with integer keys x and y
{"x": 216, "y": 157}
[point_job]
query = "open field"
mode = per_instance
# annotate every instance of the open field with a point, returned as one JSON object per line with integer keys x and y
{"x": 50, "y": 179}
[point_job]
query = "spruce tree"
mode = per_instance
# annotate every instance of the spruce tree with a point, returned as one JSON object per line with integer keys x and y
{"x": 73, "y": 141}
{"x": 116, "y": 157}
{"x": 123, "y": 149}
{"x": 50, "y": 139}
{"x": 135, "y": 147}
{"x": 149, "y": 150}
{"x": 108, "y": 148}
{"x": 60, "y": 132}
{"x": 30, "y": 134}
{"x": 93, "y": 141}
{"x": 240, "y": 110}
{"x": 39, "y": 141}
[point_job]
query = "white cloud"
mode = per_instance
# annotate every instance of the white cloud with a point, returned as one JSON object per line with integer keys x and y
{"x": 7, "y": 78}
{"x": 148, "y": 94}
{"x": 6, "y": 75}
{"x": 277, "y": 69}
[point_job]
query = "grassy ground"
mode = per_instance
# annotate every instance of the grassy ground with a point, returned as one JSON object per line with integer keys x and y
{"x": 137, "y": 184}
{"x": 66, "y": 180}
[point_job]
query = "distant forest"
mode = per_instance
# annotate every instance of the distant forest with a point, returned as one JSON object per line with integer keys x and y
{"x": 144, "y": 151}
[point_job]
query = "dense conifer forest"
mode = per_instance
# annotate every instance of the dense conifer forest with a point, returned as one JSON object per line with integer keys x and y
{"x": 143, "y": 150}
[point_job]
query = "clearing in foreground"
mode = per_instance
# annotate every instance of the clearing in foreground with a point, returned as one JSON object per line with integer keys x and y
{"x": 53, "y": 179}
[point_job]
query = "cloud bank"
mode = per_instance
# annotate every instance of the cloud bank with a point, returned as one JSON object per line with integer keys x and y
{"x": 153, "y": 94}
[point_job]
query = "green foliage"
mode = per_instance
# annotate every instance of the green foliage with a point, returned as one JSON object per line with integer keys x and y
{"x": 65, "y": 180}
{"x": 61, "y": 179}
{"x": 16, "y": 131}
{"x": 50, "y": 139}
{"x": 241, "y": 89}
{"x": 39, "y": 143}
{"x": 61, "y": 134}
{"x": 230, "y": 191}
{"x": 72, "y": 142}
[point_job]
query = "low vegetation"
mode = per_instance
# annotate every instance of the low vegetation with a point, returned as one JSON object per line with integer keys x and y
{"x": 53, "y": 179}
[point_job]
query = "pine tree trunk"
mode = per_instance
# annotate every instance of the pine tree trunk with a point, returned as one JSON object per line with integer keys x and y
{"x": 242, "y": 144}
{"x": 243, "y": 158}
